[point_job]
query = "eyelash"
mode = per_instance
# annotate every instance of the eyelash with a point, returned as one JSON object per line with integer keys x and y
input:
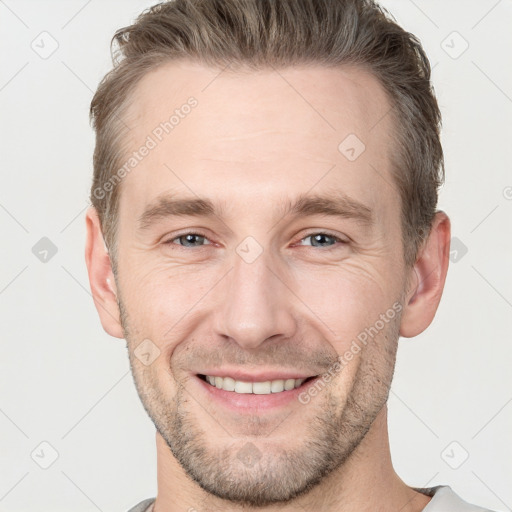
{"x": 203, "y": 235}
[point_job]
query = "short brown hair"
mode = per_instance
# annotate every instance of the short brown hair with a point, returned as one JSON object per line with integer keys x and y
{"x": 280, "y": 33}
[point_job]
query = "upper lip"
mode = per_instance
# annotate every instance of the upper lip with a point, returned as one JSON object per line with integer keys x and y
{"x": 257, "y": 376}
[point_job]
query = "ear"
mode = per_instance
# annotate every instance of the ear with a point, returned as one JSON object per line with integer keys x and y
{"x": 427, "y": 278}
{"x": 101, "y": 277}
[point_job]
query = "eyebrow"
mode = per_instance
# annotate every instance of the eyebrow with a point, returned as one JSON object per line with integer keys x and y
{"x": 333, "y": 204}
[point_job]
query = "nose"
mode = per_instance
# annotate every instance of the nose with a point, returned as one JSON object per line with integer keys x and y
{"x": 256, "y": 304}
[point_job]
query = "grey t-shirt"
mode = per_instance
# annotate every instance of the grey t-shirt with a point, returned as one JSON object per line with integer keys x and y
{"x": 443, "y": 500}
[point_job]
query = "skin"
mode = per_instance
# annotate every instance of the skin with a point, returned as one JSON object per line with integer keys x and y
{"x": 253, "y": 141}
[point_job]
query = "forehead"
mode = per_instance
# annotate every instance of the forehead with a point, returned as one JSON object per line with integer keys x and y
{"x": 273, "y": 131}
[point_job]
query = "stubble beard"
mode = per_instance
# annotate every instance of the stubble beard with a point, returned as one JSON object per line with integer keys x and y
{"x": 279, "y": 475}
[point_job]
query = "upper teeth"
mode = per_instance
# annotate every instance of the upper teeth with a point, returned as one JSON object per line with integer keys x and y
{"x": 258, "y": 388}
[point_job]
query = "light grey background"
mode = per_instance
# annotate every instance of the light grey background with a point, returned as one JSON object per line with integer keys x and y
{"x": 66, "y": 383}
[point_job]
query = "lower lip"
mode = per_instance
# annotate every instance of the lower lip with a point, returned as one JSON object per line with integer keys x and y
{"x": 250, "y": 402}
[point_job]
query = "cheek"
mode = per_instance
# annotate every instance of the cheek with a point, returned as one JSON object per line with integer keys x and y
{"x": 161, "y": 299}
{"x": 347, "y": 299}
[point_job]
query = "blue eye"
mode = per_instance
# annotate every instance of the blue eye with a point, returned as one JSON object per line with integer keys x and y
{"x": 322, "y": 240}
{"x": 190, "y": 240}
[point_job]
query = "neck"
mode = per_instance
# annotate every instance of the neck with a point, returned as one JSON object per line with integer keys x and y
{"x": 364, "y": 483}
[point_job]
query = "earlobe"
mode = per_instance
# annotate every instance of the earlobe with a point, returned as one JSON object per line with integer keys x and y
{"x": 101, "y": 278}
{"x": 427, "y": 278}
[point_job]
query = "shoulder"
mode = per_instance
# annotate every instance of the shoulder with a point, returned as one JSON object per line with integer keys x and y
{"x": 444, "y": 499}
{"x": 142, "y": 506}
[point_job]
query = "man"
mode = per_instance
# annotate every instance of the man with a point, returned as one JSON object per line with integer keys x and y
{"x": 263, "y": 230}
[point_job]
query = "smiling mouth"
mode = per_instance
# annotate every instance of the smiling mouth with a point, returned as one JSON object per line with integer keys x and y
{"x": 257, "y": 388}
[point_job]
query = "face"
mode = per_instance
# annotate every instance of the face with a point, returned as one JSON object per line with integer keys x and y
{"x": 257, "y": 242}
